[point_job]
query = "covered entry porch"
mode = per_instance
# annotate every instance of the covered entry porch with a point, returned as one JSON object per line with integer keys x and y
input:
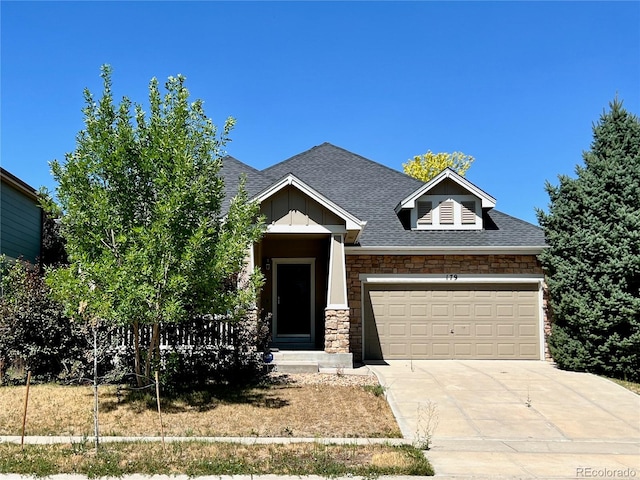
{"x": 305, "y": 291}
{"x": 302, "y": 258}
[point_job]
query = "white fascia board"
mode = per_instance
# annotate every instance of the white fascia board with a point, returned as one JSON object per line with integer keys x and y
{"x": 352, "y": 222}
{"x": 275, "y": 228}
{"x": 487, "y": 200}
{"x": 453, "y": 250}
{"x": 452, "y": 278}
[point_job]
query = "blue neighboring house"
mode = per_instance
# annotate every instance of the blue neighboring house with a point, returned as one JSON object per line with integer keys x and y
{"x": 20, "y": 219}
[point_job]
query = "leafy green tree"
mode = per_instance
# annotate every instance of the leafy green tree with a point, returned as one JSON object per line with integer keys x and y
{"x": 429, "y": 165}
{"x": 145, "y": 234}
{"x": 593, "y": 260}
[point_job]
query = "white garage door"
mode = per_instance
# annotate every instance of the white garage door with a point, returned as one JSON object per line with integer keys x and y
{"x": 451, "y": 322}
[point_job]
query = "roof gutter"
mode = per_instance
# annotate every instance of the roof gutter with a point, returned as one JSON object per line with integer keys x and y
{"x": 445, "y": 250}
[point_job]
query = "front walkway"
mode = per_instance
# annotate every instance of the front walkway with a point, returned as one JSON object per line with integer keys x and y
{"x": 516, "y": 419}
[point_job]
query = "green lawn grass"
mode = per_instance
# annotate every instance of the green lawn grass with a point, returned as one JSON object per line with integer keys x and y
{"x": 208, "y": 458}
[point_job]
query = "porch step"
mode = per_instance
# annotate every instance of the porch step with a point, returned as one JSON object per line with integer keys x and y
{"x": 296, "y": 367}
{"x": 309, "y": 361}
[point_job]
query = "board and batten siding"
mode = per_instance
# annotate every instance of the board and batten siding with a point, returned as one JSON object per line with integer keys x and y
{"x": 292, "y": 207}
{"x": 20, "y": 224}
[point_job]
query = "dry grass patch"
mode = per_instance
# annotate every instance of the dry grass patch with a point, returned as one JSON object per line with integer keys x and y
{"x": 201, "y": 458}
{"x": 633, "y": 386}
{"x": 297, "y": 408}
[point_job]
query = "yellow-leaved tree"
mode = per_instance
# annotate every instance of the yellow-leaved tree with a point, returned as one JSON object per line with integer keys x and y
{"x": 427, "y": 166}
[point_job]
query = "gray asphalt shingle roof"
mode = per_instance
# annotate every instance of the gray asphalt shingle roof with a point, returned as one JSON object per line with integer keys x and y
{"x": 371, "y": 191}
{"x": 232, "y": 170}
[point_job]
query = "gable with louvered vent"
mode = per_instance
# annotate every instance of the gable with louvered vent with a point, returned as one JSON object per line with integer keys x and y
{"x": 446, "y": 212}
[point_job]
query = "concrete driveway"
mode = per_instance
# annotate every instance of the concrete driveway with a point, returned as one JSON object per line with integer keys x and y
{"x": 516, "y": 419}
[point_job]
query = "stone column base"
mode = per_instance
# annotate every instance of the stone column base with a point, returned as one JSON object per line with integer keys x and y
{"x": 336, "y": 330}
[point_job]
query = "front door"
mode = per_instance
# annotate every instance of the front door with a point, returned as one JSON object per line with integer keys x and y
{"x": 294, "y": 301}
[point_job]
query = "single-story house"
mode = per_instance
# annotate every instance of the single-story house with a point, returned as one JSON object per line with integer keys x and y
{"x": 364, "y": 260}
{"x": 20, "y": 219}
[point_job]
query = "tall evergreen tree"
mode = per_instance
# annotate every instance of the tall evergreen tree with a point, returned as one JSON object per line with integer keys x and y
{"x": 593, "y": 260}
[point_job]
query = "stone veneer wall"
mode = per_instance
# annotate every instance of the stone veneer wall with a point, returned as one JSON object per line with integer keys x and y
{"x": 336, "y": 330}
{"x": 428, "y": 264}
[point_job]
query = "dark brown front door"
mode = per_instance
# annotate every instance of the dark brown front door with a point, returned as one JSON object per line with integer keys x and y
{"x": 293, "y": 297}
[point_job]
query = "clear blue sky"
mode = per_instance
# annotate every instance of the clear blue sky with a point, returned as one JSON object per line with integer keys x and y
{"x": 517, "y": 85}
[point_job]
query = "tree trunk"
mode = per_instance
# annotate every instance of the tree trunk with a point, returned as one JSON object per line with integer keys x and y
{"x": 136, "y": 347}
{"x": 154, "y": 350}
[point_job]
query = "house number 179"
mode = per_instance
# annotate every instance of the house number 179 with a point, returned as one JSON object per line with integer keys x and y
{"x": 452, "y": 276}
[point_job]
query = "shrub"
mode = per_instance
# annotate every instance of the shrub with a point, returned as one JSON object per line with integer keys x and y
{"x": 34, "y": 333}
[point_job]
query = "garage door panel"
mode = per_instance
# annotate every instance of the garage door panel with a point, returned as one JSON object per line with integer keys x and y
{"x": 481, "y": 310}
{"x": 527, "y": 310}
{"x": 505, "y": 330}
{"x": 528, "y": 349}
{"x": 483, "y": 294}
{"x": 462, "y": 350}
{"x": 441, "y": 350}
{"x": 398, "y": 330}
{"x": 380, "y": 309}
{"x": 506, "y": 350}
{"x": 485, "y": 350}
{"x": 441, "y": 329}
{"x": 504, "y": 294}
{"x": 398, "y": 349}
{"x": 397, "y": 310}
{"x": 419, "y": 349}
{"x": 461, "y": 295}
{"x": 505, "y": 311}
{"x": 484, "y": 330}
{"x": 527, "y": 331}
{"x": 462, "y": 329}
{"x": 488, "y": 321}
{"x": 419, "y": 330}
{"x": 440, "y": 310}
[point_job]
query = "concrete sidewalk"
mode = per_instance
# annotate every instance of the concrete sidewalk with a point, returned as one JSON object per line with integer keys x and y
{"x": 516, "y": 419}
